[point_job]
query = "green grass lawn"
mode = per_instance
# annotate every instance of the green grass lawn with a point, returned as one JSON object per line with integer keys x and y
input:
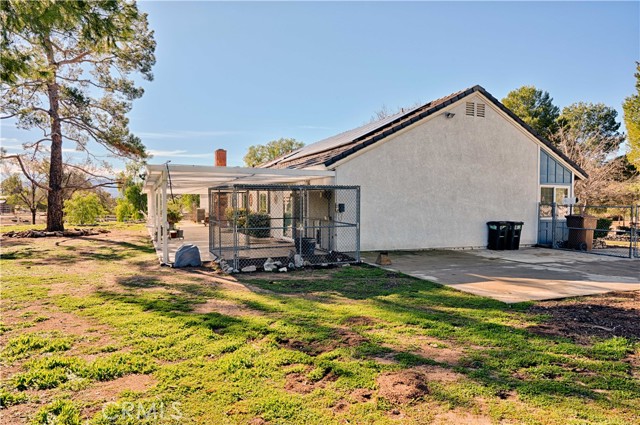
{"x": 94, "y": 330}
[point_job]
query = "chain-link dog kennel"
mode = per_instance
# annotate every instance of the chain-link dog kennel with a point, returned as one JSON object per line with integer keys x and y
{"x": 249, "y": 224}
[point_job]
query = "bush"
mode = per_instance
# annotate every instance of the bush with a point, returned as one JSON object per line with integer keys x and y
{"x": 259, "y": 220}
{"x": 242, "y": 216}
{"x": 603, "y": 223}
{"x": 174, "y": 213}
{"x": 253, "y": 220}
{"x": 83, "y": 208}
{"x": 125, "y": 210}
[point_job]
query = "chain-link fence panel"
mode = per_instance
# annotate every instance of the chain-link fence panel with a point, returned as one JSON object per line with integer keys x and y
{"x": 280, "y": 226}
{"x": 597, "y": 229}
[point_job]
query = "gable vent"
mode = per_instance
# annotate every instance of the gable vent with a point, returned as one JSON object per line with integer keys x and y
{"x": 470, "y": 109}
{"x": 480, "y": 110}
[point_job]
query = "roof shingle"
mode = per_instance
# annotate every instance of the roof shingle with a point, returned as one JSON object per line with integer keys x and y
{"x": 333, "y": 149}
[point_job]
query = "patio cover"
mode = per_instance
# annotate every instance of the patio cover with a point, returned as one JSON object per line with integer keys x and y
{"x": 163, "y": 179}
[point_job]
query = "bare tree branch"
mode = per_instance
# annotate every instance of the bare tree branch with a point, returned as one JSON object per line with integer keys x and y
{"x": 25, "y": 172}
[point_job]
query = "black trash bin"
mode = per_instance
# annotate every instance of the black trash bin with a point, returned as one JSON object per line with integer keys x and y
{"x": 513, "y": 235}
{"x": 497, "y": 234}
{"x": 308, "y": 246}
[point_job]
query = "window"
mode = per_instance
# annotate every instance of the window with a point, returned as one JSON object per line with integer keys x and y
{"x": 546, "y": 195}
{"x": 263, "y": 202}
{"x": 549, "y": 195}
{"x": 561, "y": 193}
{"x": 552, "y": 172}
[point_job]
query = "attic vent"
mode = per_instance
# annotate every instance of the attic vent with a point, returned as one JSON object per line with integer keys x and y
{"x": 470, "y": 109}
{"x": 480, "y": 110}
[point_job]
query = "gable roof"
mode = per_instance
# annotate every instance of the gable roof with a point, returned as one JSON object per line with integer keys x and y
{"x": 333, "y": 149}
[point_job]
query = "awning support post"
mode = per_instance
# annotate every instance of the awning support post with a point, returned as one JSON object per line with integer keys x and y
{"x": 165, "y": 223}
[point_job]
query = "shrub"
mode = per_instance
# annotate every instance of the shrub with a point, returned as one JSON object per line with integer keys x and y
{"x": 251, "y": 221}
{"x": 603, "y": 223}
{"x": 174, "y": 213}
{"x": 125, "y": 210}
{"x": 242, "y": 216}
{"x": 83, "y": 208}
{"x": 262, "y": 220}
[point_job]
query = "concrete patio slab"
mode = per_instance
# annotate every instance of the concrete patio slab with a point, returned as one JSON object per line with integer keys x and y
{"x": 515, "y": 276}
{"x": 194, "y": 233}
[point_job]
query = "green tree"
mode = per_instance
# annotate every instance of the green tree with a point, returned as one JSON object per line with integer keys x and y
{"x": 534, "y": 107}
{"x": 20, "y": 192}
{"x": 83, "y": 208}
{"x": 259, "y": 154}
{"x": 190, "y": 202}
{"x": 125, "y": 210}
{"x": 631, "y": 109}
{"x": 65, "y": 71}
{"x": 593, "y": 122}
{"x": 26, "y": 192}
{"x": 133, "y": 203}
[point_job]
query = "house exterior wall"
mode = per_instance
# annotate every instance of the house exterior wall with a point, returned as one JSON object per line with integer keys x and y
{"x": 437, "y": 183}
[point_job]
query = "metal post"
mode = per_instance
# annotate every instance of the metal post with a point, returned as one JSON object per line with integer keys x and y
{"x": 358, "y": 224}
{"x": 631, "y": 233}
{"x": 553, "y": 225}
{"x": 234, "y": 205}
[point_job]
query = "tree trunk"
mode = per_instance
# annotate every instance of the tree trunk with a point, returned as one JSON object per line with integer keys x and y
{"x": 33, "y": 216}
{"x": 55, "y": 218}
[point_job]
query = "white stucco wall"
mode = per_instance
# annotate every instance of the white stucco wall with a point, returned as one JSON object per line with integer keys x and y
{"x": 436, "y": 184}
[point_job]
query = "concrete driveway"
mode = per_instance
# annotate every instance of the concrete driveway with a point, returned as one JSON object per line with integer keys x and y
{"x": 514, "y": 276}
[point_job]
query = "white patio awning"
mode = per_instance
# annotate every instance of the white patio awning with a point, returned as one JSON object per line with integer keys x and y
{"x": 177, "y": 179}
{"x": 198, "y": 178}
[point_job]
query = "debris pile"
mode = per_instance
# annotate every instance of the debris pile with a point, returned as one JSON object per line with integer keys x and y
{"x": 42, "y": 234}
{"x": 292, "y": 262}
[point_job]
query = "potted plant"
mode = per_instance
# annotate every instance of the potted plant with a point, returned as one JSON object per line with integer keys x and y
{"x": 174, "y": 214}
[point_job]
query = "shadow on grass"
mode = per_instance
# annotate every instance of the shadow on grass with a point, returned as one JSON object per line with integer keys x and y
{"x": 513, "y": 358}
{"x": 145, "y": 248}
{"x": 22, "y": 254}
{"x": 305, "y": 315}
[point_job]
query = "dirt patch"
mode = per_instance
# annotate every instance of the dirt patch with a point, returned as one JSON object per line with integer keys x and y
{"x": 402, "y": 387}
{"x": 340, "y": 338}
{"x": 440, "y": 353}
{"x": 604, "y": 316}
{"x": 360, "y": 321}
{"x": 427, "y": 347}
{"x": 341, "y": 407}
{"x": 100, "y": 393}
{"x": 300, "y": 384}
{"x": 111, "y": 389}
{"x": 439, "y": 374}
{"x": 362, "y": 395}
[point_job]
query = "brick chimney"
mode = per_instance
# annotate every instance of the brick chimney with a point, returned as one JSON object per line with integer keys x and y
{"x": 221, "y": 158}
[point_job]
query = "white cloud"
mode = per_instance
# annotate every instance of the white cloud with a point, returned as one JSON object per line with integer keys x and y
{"x": 178, "y": 154}
{"x": 182, "y": 134}
{"x": 11, "y": 144}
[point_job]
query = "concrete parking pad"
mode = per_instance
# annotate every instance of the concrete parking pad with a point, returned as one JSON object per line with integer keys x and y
{"x": 515, "y": 276}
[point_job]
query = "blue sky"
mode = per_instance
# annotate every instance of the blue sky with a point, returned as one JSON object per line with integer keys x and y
{"x": 233, "y": 74}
